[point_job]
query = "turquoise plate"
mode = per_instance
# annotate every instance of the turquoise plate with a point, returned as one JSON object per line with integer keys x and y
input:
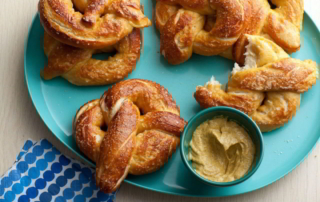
{"x": 57, "y": 102}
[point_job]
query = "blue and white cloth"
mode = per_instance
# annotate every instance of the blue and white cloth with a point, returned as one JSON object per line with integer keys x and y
{"x": 42, "y": 173}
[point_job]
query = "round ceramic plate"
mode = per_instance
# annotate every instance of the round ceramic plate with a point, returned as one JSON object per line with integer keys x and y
{"x": 57, "y": 102}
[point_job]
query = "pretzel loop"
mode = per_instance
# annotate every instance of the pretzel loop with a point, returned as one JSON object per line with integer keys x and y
{"x": 79, "y": 68}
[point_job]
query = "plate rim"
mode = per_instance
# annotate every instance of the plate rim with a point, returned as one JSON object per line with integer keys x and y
{"x": 83, "y": 158}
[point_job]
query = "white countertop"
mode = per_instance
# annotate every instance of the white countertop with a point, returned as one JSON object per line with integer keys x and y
{"x": 20, "y": 121}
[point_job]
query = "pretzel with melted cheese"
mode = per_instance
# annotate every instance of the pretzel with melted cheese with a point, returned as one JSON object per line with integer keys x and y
{"x": 143, "y": 130}
{"x": 102, "y": 24}
{"x": 267, "y": 88}
{"x": 79, "y": 68}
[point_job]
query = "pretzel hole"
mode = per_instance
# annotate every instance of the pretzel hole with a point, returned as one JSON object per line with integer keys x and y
{"x": 210, "y": 22}
{"x": 141, "y": 112}
{"x": 76, "y": 9}
{"x": 104, "y": 55}
{"x": 104, "y": 127}
{"x": 264, "y": 100}
{"x": 273, "y": 6}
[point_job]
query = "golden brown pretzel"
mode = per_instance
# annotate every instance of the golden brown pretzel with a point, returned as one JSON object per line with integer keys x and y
{"x": 180, "y": 20}
{"x": 268, "y": 88}
{"x": 79, "y": 68}
{"x": 144, "y": 127}
{"x": 182, "y": 24}
{"x": 104, "y": 22}
{"x": 282, "y": 25}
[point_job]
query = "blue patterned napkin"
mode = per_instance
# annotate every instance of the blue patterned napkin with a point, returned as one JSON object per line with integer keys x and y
{"x": 42, "y": 173}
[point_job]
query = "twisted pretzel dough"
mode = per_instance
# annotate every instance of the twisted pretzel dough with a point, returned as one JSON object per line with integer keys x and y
{"x": 182, "y": 24}
{"x": 79, "y": 68}
{"x": 104, "y": 22}
{"x": 219, "y": 27}
{"x": 282, "y": 25}
{"x": 268, "y": 88}
{"x": 144, "y": 127}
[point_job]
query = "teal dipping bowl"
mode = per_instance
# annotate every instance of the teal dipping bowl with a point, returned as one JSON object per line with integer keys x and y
{"x": 233, "y": 115}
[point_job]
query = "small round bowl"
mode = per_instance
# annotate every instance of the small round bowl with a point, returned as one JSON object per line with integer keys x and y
{"x": 232, "y": 114}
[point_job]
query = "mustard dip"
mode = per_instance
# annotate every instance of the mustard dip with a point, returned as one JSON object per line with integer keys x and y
{"x": 221, "y": 150}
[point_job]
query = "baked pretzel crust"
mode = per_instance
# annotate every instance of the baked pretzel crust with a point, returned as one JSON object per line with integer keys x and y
{"x": 79, "y": 68}
{"x": 144, "y": 127}
{"x": 184, "y": 27}
{"x": 282, "y": 25}
{"x": 104, "y": 23}
{"x": 270, "y": 93}
{"x": 219, "y": 27}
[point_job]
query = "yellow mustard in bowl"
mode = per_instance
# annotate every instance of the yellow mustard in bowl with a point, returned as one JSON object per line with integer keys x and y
{"x": 221, "y": 150}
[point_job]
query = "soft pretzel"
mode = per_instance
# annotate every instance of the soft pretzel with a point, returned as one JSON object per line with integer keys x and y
{"x": 268, "y": 88}
{"x": 182, "y": 24}
{"x": 281, "y": 24}
{"x": 104, "y": 22}
{"x": 184, "y": 27}
{"x": 143, "y": 130}
{"x": 79, "y": 68}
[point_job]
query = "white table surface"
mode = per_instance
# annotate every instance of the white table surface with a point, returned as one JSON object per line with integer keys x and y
{"x": 20, "y": 121}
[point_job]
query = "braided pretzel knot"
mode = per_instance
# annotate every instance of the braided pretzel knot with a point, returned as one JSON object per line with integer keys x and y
{"x": 200, "y": 26}
{"x": 136, "y": 143}
{"x": 104, "y": 22}
{"x": 79, "y": 68}
{"x": 269, "y": 92}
